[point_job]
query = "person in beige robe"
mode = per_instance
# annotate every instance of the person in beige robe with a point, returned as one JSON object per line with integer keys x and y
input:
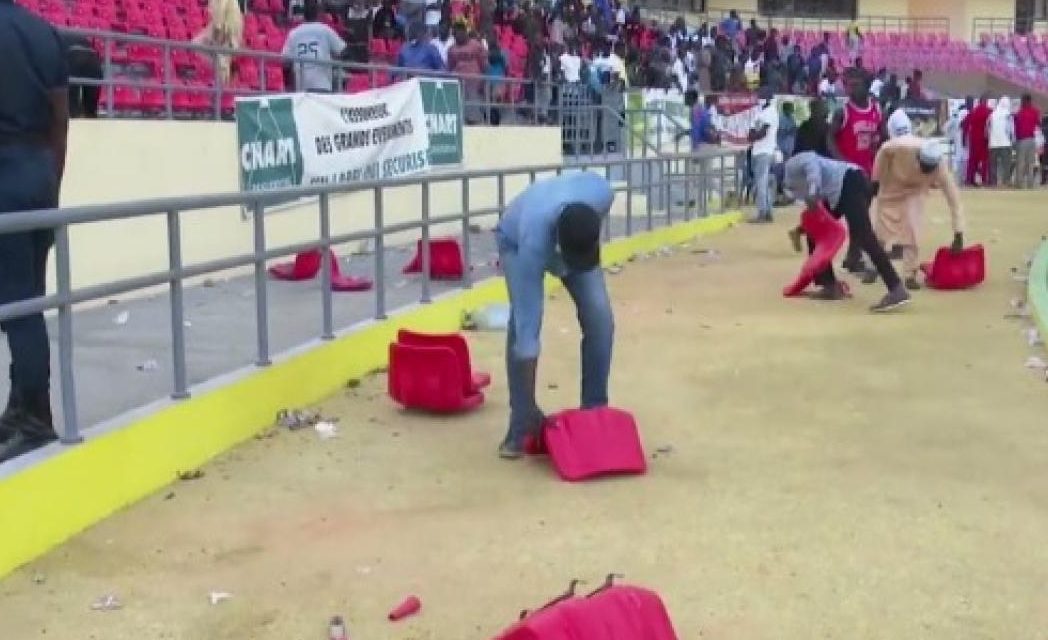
{"x": 905, "y": 170}
{"x": 225, "y": 29}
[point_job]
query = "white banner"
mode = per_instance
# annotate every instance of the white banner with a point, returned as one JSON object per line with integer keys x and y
{"x": 374, "y": 135}
{"x": 312, "y": 138}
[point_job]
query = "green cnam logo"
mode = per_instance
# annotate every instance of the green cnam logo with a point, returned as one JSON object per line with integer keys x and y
{"x": 270, "y": 154}
{"x": 267, "y": 154}
{"x": 442, "y": 124}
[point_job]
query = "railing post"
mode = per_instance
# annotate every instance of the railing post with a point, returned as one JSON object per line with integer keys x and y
{"x": 629, "y": 165}
{"x": 261, "y": 303}
{"x": 687, "y": 189}
{"x": 218, "y": 87}
{"x": 720, "y": 180}
{"x": 501, "y": 180}
{"x": 607, "y": 221}
{"x": 167, "y": 80}
{"x": 71, "y": 428}
{"x": 467, "y": 252}
{"x": 649, "y": 177}
{"x": 380, "y": 257}
{"x": 178, "y": 313}
{"x": 426, "y": 266}
{"x": 107, "y": 51}
{"x": 327, "y": 257}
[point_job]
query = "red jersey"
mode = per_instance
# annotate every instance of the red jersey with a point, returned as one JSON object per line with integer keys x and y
{"x": 860, "y": 134}
{"x": 975, "y": 125}
{"x": 1026, "y": 122}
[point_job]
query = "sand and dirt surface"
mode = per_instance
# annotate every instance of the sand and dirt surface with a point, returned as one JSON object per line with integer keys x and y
{"x": 816, "y": 472}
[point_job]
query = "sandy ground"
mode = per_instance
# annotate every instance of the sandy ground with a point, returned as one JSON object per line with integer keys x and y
{"x": 833, "y": 474}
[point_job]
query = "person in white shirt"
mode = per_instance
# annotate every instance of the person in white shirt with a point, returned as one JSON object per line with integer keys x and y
{"x": 763, "y": 136}
{"x": 1001, "y": 129}
{"x": 680, "y": 71}
{"x": 443, "y": 42}
{"x": 571, "y": 64}
{"x": 316, "y": 41}
{"x": 878, "y": 83}
{"x": 827, "y": 89}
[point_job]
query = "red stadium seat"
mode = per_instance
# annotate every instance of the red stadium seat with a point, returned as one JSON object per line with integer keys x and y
{"x": 588, "y": 443}
{"x": 126, "y": 99}
{"x": 445, "y": 259}
{"x": 828, "y": 235}
{"x": 429, "y": 379}
{"x": 475, "y": 381}
{"x": 950, "y": 271}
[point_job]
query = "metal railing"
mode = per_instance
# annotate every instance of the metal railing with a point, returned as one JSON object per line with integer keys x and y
{"x": 867, "y": 23}
{"x": 661, "y": 178}
{"x": 993, "y": 26}
{"x": 479, "y": 91}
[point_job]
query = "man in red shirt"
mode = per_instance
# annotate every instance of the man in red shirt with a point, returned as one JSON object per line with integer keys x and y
{"x": 978, "y": 141}
{"x": 1027, "y": 119}
{"x": 856, "y": 132}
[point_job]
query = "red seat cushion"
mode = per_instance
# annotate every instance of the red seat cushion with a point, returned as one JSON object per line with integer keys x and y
{"x": 952, "y": 271}
{"x": 587, "y": 443}
{"x": 828, "y": 235}
{"x": 457, "y": 343}
{"x": 429, "y": 378}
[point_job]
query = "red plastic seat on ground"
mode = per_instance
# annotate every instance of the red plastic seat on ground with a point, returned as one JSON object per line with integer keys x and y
{"x": 306, "y": 266}
{"x": 618, "y": 612}
{"x": 430, "y": 379}
{"x": 445, "y": 259}
{"x": 952, "y": 271}
{"x": 476, "y": 380}
{"x": 587, "y": 443}
{"x": 828, "y": 235}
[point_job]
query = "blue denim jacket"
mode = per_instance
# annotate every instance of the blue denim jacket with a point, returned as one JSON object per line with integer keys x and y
{"x": 527, "y": 242}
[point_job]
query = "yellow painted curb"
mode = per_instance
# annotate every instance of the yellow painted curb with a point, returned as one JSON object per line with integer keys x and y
{"x": 59, "y": 496}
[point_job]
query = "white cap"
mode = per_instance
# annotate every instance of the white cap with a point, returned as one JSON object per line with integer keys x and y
{"x": 899, "y": 124}
{"x": 930, "y": 153}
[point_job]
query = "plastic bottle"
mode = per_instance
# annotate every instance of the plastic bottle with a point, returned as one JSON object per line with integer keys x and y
{"x": 337, "y": 629}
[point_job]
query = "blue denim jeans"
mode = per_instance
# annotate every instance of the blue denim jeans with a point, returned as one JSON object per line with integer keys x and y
{"x": 761, "y": 173}
{"x": 590, "y": 294}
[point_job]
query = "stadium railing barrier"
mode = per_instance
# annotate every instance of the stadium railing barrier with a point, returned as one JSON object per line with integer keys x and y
{"x": 685, "y": 185}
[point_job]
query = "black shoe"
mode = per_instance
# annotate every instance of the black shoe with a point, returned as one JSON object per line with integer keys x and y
{"x": 894, "y": 299}
{"x": 831, "y": 293}
{"x": 912, "y": 284}
{"x": 856, "y": 266}
{"x": 23, "y": 432}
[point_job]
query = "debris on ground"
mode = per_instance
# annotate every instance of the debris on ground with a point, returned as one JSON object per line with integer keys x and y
{"x": 352, "y": 383}
{"x": 265, "y": 435}
{"x": 1035, "y": 362}
{"x": 493, "y": 317}
{"x": 553, "y": 385}
{"x": 219, "y": 596}
{"x": 408, "y": 607}
{"x": 187, "y": 324}
{"x": 39, "y": 578}
{"x": 112, "y": 301}
{"x": 148, "y": 365}
{"x": 208, "y": 282}
{"x": 122, "y": 317}
{"x": 295, "y": 419}
{"x": 108, "y": 602}
{"x": 1033, "y": 337}
{"x": 337, "y": 629}
{"x": 365, "y": 247}
{"x": 400, "y": 284}
{"x": 170, "y": 496}
{"x": 665, "y": 450}
{"x": 665, "y": 251}
{"x": 614, "y": 269}
{"x": 195, "y": 474}
{"x": 326, "y": 430}
{"x": 475, "y": 228}
{"x": 364, "y": 570}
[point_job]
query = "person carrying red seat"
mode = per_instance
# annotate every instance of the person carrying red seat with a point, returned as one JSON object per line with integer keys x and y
{"x": 846, "y": 191}
{"x": 905, "y": 169}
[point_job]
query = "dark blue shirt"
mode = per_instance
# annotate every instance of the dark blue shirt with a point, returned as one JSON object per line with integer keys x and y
{"x": 419, "y": 55}
{"x": 700, "y": 125}
{"x": 32, "y": 63}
